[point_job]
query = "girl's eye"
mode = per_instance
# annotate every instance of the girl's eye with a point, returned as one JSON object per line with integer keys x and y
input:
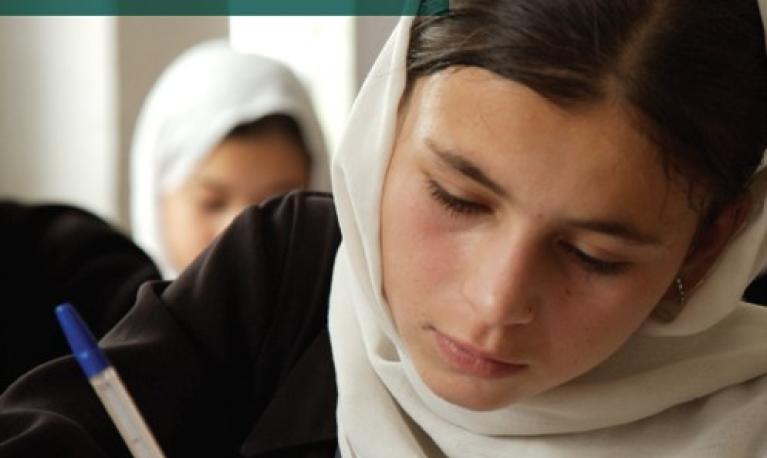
{"x": 592, "y": 264}
{"x": 211, "y": 204}
{"x": 453, "y": 204}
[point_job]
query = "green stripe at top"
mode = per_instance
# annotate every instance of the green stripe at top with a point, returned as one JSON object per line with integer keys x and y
{"x": 222, "y": 7}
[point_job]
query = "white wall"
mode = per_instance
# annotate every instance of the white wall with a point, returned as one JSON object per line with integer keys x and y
{"x": 57, "y": 115}
{"x": 370, "y": 33}
{"x": 331, "y": 54}
{"x": 319, "y": 49}
{"x": 71, "y": 88}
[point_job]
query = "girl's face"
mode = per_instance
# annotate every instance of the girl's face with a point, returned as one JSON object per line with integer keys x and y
{"x": 522, "y": 244}
{"x": 239, "y": 172}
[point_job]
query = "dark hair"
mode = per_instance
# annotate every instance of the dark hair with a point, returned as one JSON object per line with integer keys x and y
{"x": 694, "y": 73}
{"x": 274, "y": 123}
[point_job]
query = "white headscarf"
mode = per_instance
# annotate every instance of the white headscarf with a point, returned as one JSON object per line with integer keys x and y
{"x": 197, "y": 101}
{"x": 386, "y": 410}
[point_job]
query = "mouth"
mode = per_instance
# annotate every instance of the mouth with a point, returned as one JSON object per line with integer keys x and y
{"x": 472, "y": 361}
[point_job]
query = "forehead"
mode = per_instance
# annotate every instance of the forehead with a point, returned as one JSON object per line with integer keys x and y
{"x": 591, "y": 160}
{"x": 252, "y": 163}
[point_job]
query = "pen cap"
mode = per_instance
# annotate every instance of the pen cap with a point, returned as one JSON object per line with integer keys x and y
{"x": 81, "y": 341}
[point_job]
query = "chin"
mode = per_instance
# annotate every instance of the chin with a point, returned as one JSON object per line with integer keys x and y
{"x": 475, "y": 396}
{"x": 478, "y": 404}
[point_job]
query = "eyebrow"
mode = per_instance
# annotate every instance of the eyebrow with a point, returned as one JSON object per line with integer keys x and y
{"x": 462, "y": 165}
{"x": 617, "y": 229}
{"x": 274, "y": 189}
{"x": 211, "y": 183}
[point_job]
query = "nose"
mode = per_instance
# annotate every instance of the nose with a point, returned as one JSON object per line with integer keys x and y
{"x": 503, "y": 283}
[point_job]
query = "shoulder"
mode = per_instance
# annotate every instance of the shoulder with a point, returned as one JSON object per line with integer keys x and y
{"x": 54, "y": 253}
{"x": 300, "y": 212}
{"x": 735, "y": 418}
{"x": 304, "y": 219}
{"x": 731, "y": 421}
{"x": 52, "y": 224}
{"x": 297, "y": 236}
{"x": 206, "y": 355}
{"x": 55, "y": 238}
{"x": 269, "y": 272}
{"x": 286, "y": 237}
{"x": 303, "y": 232}
{"x": 256, "y": 302}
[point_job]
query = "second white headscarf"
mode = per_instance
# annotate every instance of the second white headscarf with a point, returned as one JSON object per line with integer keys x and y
{"x": 196, "y": 102}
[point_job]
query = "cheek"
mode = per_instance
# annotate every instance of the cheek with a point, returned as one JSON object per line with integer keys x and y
{"x": 588, "y": 319}
{"x": 419, "y": 256}
{"x": 422, "y": 250}
{"x": 187, "y": 228}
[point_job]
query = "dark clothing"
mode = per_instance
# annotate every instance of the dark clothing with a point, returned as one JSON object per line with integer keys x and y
{"x": 57, "y": 253}
{"x": 756, "y": 293}
{"x": 232, "y": 359}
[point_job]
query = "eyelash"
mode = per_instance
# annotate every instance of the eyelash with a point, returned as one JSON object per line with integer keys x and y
{"x": 591, "y": 264}
{"x": 211, "y": 205}
{"x": 457, "y": 206}
{"x": 454, "y": 205}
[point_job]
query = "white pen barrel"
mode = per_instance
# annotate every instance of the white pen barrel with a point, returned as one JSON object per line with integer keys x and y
{"x": 125, "y": 415}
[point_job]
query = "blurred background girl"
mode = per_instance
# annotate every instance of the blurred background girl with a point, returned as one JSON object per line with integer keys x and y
{"x": 219, "y": 131}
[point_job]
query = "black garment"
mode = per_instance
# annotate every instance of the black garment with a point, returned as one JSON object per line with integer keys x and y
{"x": 57, "y": 253}
{"x": 756, "y": 293}
{"x": 232, "y": 359}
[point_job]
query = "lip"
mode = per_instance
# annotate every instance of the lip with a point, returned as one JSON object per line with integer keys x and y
{"x": 471, "y": 361}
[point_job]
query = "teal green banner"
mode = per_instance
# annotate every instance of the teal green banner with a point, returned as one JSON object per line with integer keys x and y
{"x": 223, "y": 7}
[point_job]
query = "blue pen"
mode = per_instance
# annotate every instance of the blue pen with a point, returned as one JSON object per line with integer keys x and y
{"x": 107, "y": 384}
